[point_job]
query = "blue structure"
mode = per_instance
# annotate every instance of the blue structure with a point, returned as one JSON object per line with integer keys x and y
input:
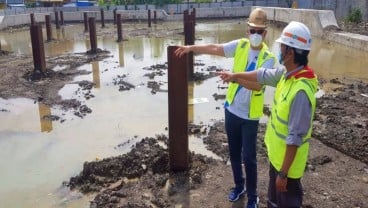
{"x": 13, "y": 3}
{"x": 84, "y": 3}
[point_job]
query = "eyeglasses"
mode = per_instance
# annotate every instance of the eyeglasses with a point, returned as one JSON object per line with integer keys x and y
{"x": 260, "y": 32}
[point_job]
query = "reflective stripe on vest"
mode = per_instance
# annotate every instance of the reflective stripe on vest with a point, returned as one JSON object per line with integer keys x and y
{"x": 240, "y": 63}
{"x": 277, "y": 128}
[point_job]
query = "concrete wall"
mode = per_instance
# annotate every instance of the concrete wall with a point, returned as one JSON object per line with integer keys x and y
{"x": 317, "y": 20}
{"x": 222, "y": 12}
{"x": 21, "y": 19}
{"x": 340, "y": 7}
{"x": 349, "y": 39}
{"x": 24, "y": 19}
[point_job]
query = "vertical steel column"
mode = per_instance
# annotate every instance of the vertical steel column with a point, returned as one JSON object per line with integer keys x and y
{"x": 61, "y": 17}
{"x": 92, "y": 34}
{"x": 120, "y": 33}
{"x": 38, "y": 50}
{"x": 57, "y": 20}
{"x": 32, "y": 19}
{"x": 188, "y": 40}
{"x": 149, "y": 18}
{"x": 192, "y": 42}
{"x": 185, "y": 20}
{"x": 102, "y": 18}
{"x": 178, "y": 111}
{"x": 114, "y": 13}
{"x": 48, "y": 27}
{"x": 85, "y": 18}
{"x": 155, "y": 17}
{"x": 194, "y": 13}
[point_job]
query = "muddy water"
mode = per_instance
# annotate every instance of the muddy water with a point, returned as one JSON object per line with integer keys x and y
{"x": 37, "y": 155}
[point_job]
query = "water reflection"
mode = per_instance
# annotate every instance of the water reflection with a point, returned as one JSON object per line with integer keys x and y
{"x": 121, "y": 54}
{"x": 87, "y": 44}
{"x": 60, "y": 33}
{"x": 45, "y": 117}
{"x": 338, "y": 61}
{"x": 53, "y": 48}
{"x": 191, "y": 102}
{"x": 138, "y": 49}
{"x": 17, "y": 42}
{"x": 157, "y": 46}
{"x": 96, "y": 74}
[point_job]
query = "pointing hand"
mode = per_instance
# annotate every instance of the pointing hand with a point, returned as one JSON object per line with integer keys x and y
{"x": 181, "y": 50}
{"x": 226, "y": 76}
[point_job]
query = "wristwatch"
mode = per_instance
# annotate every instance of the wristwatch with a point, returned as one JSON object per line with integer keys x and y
{"x": 282, "y": 175}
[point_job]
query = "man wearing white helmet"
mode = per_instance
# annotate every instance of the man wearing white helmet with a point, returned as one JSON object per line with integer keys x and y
{"x": 244, "y": 102}
{"x": 289, "y": 127}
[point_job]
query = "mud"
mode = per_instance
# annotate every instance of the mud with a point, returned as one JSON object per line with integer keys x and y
{"x": 341, "y": 119}
{"x": 141, "y": 178}
{"x": 20, "y": 79}
{"x": 358, "y": 28}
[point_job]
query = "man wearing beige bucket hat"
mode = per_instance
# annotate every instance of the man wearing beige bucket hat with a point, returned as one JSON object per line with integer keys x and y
{"x": 244, "y": 101}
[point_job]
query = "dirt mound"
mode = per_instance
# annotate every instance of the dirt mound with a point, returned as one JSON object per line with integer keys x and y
{"x": 341, "y": 119}
{"x": 140, "y": 178}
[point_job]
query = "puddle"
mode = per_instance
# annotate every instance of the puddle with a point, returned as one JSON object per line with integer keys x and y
{"x": 38, "y": 154}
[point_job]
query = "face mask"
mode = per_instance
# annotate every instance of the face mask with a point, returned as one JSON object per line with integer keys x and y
{"x": 280, "y": 58}
{"x": 255, "y": 40}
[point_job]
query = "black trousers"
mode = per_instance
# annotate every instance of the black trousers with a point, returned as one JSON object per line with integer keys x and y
{"x": 293, "y": 198}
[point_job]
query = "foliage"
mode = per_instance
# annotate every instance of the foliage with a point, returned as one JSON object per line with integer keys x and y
{"x": 30, "y": 4}
{"x": 116, "y": 2}
{"x": 101, "y": 2}
{"x": 354, "y": 15}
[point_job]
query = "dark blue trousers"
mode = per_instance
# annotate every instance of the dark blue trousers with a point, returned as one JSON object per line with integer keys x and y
{"x": 242, "y": 139}
{"x": 293, "y": 198}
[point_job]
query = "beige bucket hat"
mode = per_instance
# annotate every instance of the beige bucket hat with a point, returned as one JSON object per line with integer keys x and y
{"x": 258, "y": 18}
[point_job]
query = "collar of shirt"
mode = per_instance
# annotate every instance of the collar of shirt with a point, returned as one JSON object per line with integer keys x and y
{"x": 293, "y": 72}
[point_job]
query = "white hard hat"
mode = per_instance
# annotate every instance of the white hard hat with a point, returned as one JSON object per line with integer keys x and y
{"x": 296, "y": 35}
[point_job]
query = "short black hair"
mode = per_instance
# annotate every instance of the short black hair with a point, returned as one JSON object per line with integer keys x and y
{"x": 300, "y": 56}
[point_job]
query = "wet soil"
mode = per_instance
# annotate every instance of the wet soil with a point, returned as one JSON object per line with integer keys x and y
{"x": 359, "y": 28}
{"x": 336, "y": 174}
{"x": 20, "y": 79}
{"x": 333, "y": 178}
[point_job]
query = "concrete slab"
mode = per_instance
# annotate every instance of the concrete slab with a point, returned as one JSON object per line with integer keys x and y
{"x": 317, "y": 20}
{"x": 349, "y": 39}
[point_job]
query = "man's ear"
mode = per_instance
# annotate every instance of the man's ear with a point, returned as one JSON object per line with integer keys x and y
{"x": 264, "y": 34}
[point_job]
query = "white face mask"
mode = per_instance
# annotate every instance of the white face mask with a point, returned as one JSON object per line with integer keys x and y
{"x": 255, "y": 39}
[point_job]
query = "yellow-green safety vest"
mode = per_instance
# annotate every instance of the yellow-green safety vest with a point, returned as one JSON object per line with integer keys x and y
{"x": 277, "y": 127}
{"x": 240, "y": 62}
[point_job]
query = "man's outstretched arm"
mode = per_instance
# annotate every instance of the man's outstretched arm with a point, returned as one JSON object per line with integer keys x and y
{"x": 210, "y": 49}
{"x": 238, "y": 77}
